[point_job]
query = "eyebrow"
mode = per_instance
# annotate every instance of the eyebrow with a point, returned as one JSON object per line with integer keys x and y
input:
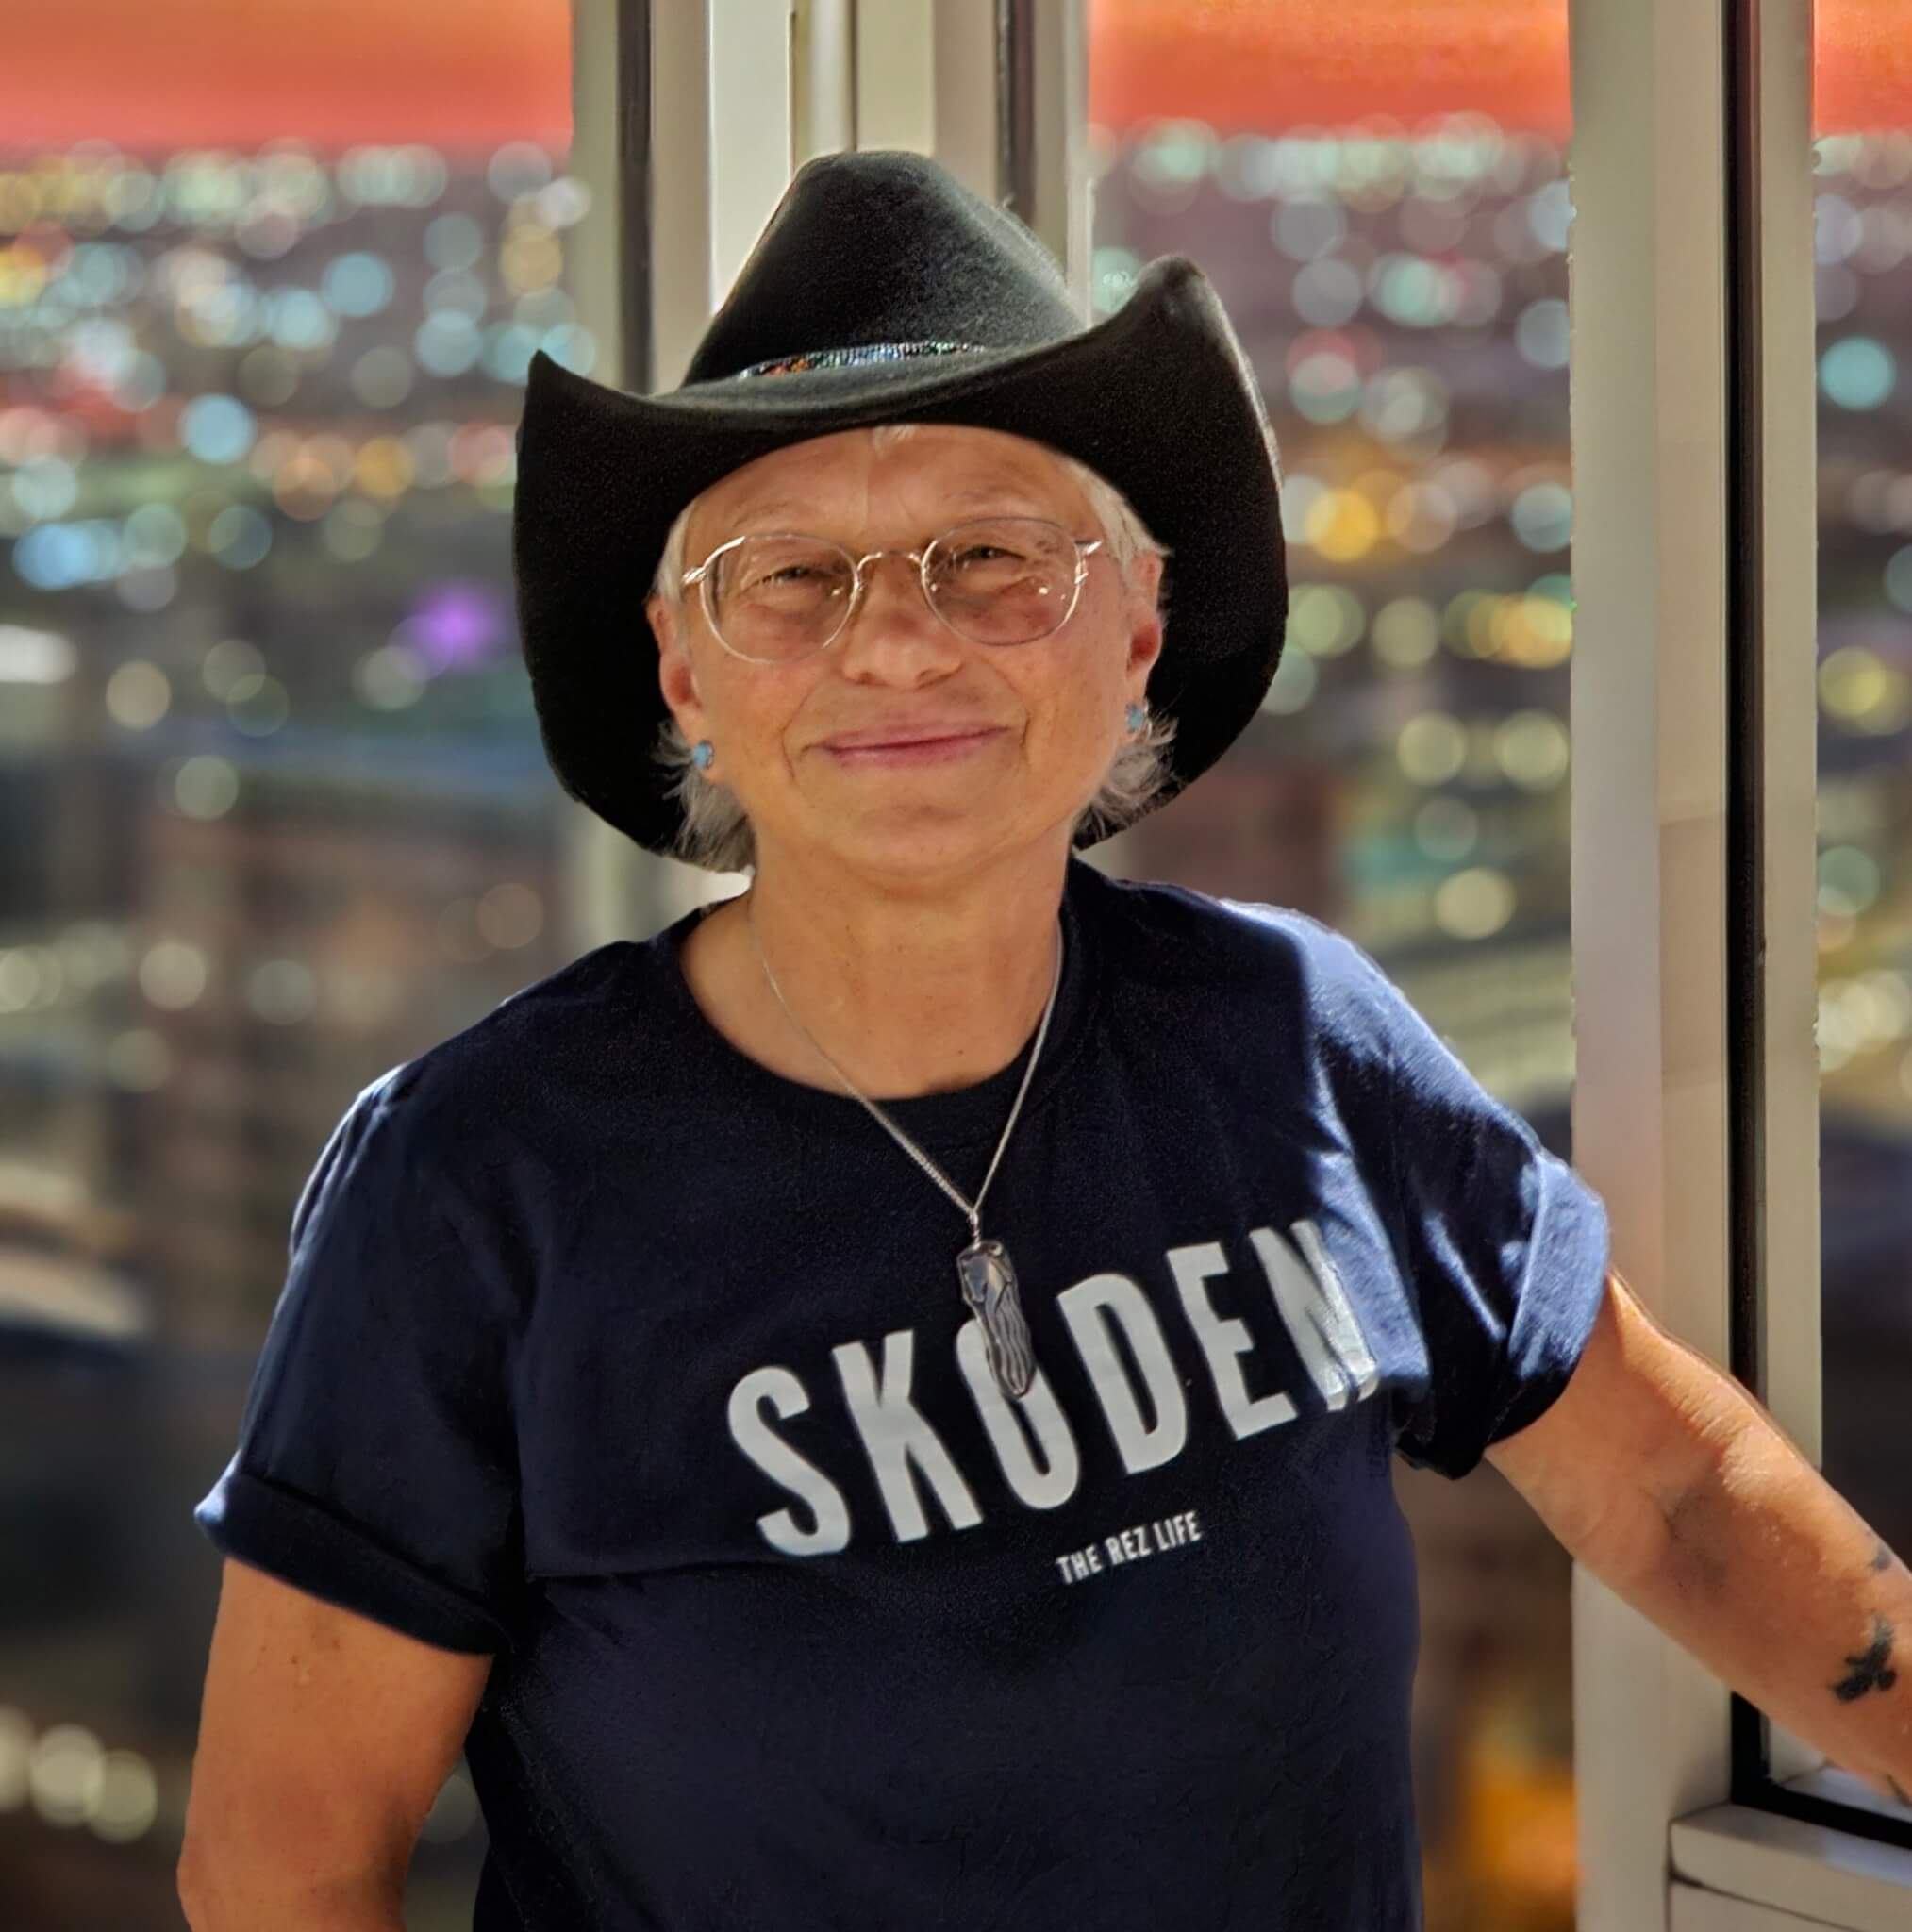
{"x": 991, "y": 494}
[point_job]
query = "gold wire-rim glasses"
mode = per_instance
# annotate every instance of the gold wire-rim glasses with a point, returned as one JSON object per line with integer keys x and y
{"x": 1085, "y": 548}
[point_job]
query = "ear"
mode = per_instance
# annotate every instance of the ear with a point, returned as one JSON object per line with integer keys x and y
{"x": 662, "y": 618}
{"x": 1145, "y": 624}
{"x": 1145, "y": 573}
{"x": 676, "y": 677}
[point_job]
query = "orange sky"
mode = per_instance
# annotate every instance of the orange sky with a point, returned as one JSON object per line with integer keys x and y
{"x": 155, "y": 75}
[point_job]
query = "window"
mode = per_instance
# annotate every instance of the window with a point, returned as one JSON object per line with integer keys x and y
{"x": 274, "y": 815}
{"x": 1862, "y": 242}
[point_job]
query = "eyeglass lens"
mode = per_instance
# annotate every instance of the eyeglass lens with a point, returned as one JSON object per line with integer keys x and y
{"x": 1001, "y": 580}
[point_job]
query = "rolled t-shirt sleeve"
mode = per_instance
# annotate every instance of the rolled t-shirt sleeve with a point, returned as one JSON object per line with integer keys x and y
{"x": 1505, "y": 1247}
{"x": 375, "y": 1465}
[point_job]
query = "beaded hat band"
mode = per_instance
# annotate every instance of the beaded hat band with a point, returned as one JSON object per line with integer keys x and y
{"x": 865, "y": 352}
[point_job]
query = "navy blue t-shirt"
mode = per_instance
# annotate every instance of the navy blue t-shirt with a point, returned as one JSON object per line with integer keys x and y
{"x": 607, "y": 1350}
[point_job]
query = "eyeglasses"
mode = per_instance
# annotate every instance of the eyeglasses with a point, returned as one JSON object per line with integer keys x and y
{"x": 775, "y": 597}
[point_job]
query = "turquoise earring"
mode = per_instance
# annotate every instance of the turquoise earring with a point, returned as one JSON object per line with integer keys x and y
{"x": 1137, "y": 717}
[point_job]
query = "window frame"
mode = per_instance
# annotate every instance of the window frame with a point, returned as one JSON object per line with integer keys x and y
{"x": 1694, "y": 865}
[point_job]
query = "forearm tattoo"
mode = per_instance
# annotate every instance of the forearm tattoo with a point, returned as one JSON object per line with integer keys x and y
{"x": 1874, "y": 1668}
{"x": 1871, "y": 1668}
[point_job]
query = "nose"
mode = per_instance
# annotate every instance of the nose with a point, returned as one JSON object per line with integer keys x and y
{"x": 908, "y": 583}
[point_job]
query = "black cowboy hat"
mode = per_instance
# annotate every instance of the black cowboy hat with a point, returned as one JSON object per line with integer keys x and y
{"x": 882, "y": 290}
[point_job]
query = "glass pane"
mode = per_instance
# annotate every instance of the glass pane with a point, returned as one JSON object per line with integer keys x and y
{"x": 1862, "y": 241}
{"x": 1387, "y": 223}
{"x": 274, "y": 813}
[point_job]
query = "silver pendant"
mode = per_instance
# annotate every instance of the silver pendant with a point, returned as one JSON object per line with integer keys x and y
{"x": 989, "y": 1285}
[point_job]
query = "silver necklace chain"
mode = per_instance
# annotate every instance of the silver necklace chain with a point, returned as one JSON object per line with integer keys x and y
{"x": 907, "y": 1146}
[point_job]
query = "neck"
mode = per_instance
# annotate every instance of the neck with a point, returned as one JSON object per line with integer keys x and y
{"x": 910, "y": 993}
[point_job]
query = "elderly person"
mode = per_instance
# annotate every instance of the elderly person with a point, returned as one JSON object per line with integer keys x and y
{"x": 875, "y": 1407}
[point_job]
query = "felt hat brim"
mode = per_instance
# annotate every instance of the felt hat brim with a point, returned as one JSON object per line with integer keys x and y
{"x": 1158, "y": 397}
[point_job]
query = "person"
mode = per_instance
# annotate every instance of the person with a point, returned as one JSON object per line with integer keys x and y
{"x": 874, "y": 1405}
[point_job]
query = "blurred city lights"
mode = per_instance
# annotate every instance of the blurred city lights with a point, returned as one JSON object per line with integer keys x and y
{"x": 457, "y": 623}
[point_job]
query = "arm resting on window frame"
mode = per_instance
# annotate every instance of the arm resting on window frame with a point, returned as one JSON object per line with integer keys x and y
{"x": 1669, "y": 1480}
{"x": 1774, "y": 1581}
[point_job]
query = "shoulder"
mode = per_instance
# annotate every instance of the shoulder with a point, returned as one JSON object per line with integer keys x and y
{"x": 464, "y": 1131}
{"x": 1263, "y": 954}
{"x": 476, "y": 1096}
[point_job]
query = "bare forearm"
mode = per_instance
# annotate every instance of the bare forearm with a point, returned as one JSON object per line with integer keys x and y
{"x": 231, "y": 1905}
{"x": 1771, "y": 1580}
{"x": 299, "y": 1919}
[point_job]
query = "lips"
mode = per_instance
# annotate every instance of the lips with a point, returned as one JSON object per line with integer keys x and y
{"x": 872, "y": 741}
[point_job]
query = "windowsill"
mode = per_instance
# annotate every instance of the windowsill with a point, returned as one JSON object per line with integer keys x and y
{"x": 1821, "y": 1875}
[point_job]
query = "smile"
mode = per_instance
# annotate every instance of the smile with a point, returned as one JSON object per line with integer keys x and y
{"x": 928, "y": 751}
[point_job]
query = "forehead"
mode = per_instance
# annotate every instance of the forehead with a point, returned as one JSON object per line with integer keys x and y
{"x": 941, "y": 461}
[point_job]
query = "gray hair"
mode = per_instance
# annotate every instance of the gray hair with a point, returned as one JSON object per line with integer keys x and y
{"x": 716, "y": 832}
